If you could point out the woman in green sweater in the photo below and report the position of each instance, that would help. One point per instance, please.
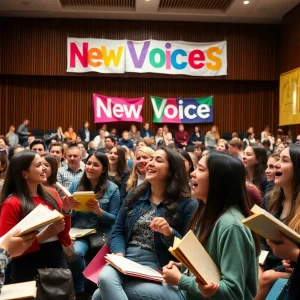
(219, 184)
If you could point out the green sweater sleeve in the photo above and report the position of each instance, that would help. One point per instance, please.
(233, 250)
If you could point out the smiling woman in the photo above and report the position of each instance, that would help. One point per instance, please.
(23, 190)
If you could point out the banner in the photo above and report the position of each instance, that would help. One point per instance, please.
(151, 56)
(182, 110)
(289, 103)
(115, 109)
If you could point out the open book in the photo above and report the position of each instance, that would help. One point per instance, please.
(24, 290)
(131, 268)
(82, 198)
(76, 233)
(267, 226)
(192, 254)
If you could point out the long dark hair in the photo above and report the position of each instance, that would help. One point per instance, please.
(185, 155)
(260, 168)
(177, 187)
(121, 164)
(51, 160)
(227, 188)
(100, 188)
(277, 195)
(15, 184)
(4, 163)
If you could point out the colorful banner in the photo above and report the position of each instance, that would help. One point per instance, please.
(289, 103)
(182, 110)
(151, 56)
(115, 109)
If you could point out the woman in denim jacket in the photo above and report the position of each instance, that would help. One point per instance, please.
(152, 215)
(103, 210)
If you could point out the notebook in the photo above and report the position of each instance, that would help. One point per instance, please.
(267, 226)
(24, 290)
(131, 268)
(192, 254)
(76, 233)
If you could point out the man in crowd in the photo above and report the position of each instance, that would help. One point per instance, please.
(38, 146)
(84, 133)
(182, 137)
(146, 131)
(23, 133)
(235, 148)
(57, 150)
(73, 170)
(125, 141)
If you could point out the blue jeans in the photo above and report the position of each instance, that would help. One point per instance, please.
(81, 247)
(114, 285)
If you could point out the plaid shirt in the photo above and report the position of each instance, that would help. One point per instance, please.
(4, 261)
(65, 175)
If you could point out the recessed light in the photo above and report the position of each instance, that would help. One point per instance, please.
(246, 2)
(147, 0)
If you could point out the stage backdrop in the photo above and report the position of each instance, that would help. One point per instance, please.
(289, 103)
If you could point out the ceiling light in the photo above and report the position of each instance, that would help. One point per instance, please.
(147, 0)
(246, 2)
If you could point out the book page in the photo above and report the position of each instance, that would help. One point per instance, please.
(77, 232)
(196, 255)
(262, 257)
(65, 191)
(37, 219)
(128, 266)
(19, 291)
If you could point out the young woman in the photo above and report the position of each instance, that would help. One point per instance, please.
(198, 151)
(219, 185)
(152, 215)
(159, 135)
(134, 134)
(23, 190)
(118, 171)
(138, 173)
(222, 146)
(280, 147)
(188, 163)
(249, 140)
(255, 162)
(211, 138)
(11, 136)
(103, 210)
(284, 204)
(196, 137)
(167, 134)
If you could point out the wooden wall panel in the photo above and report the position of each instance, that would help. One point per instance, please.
(52, 101)
(39, 46)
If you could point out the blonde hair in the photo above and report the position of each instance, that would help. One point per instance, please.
(222, 141)
(133, 176)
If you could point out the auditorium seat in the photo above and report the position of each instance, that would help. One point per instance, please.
(189, 148)
(226, 136)
(38, 133)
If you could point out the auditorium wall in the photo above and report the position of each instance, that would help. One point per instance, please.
(34, 83)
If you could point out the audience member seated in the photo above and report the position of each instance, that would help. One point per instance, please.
(222, 146)
(73, 170)
(234, 135)
(232, 247)
(104, 127)
(84, 132)
(134, 134)
(11, 136)
(249, 140)
(141, 143)
(279, 148)
(70, 136)
(83, 149)
(235, 148)
(23, 133)
(99, 140)
(13, 150)
(3, 167)
(255, 162)
(138, 172)
(283, 204)
(182, 137)
(211, 138)
(159, 135)
(57, 150)
(167, 134)
(198, 150)
(60, 134)
(265, 133)
(92, 147)
(3, 143)
(125, 141)
(114, 134)
(146, 132)
(38, 146)
(267, 145)
(153, 214)
(101, 217)
(23, 190)
(196, 136)
(188, 163)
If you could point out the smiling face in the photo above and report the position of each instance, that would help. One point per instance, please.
(113, 156)
(249, 158)
(271, 170)
(93, 168)
(158, 167)
(200, 180)
(36, 173)
(284, 169)
(141, 161)
(47, 167)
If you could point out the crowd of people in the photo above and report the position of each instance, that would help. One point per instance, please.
(149, 189)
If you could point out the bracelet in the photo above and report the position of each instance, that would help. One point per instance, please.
(66, 214)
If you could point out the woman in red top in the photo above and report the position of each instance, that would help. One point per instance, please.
(22, 192)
